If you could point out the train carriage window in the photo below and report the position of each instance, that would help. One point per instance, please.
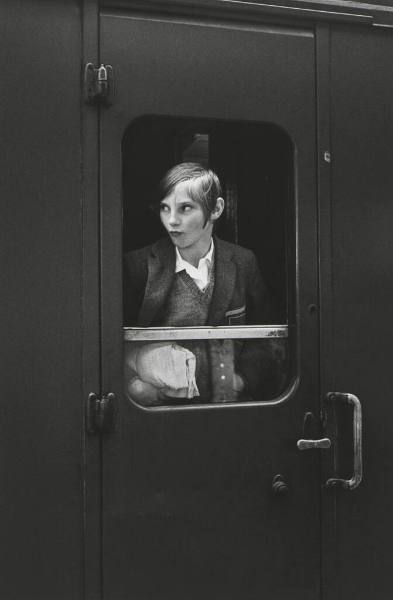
(208, 240)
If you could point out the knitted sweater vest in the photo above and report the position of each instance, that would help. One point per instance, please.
(188, 306)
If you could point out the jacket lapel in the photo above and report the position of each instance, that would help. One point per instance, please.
(161, 269)
(225, 277)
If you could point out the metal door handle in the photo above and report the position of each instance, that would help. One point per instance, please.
(351, 484)
(310, 444)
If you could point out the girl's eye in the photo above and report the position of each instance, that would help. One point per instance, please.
(164, 208)
(186, 207)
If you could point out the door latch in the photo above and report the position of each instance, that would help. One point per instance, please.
(100, 413)
(308, 441)
(310, 444)
(98, 84)
(307, 444)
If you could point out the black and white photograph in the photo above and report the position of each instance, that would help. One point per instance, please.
(196, 260)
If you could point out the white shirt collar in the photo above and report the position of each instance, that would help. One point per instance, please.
(200, 274)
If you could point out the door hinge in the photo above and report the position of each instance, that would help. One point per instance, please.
(98, 84)
(100, 413)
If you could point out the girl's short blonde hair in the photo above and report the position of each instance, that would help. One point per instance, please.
(203, 185)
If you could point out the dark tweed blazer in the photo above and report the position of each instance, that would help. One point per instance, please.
(239, 296)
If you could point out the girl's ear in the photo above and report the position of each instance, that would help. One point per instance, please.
(217, 211)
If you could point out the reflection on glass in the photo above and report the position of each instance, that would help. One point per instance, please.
(205, 371)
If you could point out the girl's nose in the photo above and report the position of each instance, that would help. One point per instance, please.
(173, 218)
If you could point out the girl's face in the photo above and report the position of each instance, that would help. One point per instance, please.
(184, 220)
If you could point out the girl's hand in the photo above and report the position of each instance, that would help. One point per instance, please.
(143, 393)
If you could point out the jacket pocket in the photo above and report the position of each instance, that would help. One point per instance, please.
(236, 316)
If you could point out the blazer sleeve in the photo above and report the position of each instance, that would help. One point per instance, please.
(134, 283)
(257, 298)
(255, 362)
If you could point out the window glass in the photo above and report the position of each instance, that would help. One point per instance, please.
(208, 250)
(203, 371)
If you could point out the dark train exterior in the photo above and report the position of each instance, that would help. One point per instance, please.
(103, 499)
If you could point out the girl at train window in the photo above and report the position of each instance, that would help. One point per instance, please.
(193, 278)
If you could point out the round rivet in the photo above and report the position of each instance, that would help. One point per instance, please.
(312, 308)
(222, 365)
(222, 376)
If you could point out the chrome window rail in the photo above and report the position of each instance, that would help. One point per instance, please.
(234, 332)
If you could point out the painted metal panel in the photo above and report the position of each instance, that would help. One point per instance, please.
(41, 379)
(362, 216)
(188, 506)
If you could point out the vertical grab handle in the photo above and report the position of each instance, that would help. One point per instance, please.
(351, 484)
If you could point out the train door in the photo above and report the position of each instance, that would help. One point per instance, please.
(214, 500)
